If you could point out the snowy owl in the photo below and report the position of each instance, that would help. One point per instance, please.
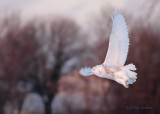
(113, 67)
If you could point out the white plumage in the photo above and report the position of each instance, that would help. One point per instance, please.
(113, 67)
(118, 42)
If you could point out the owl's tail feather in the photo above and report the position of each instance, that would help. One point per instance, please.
(129, 71)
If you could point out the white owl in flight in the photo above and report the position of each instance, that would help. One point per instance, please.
(113, 66)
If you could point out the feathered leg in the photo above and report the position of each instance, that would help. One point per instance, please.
(129, 69)
(127, 75)
(121, 78)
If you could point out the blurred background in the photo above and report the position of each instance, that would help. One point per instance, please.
(44, 43)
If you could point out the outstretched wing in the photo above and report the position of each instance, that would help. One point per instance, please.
(118, 42)
(86, 71)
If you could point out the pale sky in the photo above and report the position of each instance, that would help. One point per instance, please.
(79, 9)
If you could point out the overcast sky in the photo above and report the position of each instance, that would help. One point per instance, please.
(76, 8)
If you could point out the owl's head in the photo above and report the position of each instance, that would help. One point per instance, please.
(98, 70)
